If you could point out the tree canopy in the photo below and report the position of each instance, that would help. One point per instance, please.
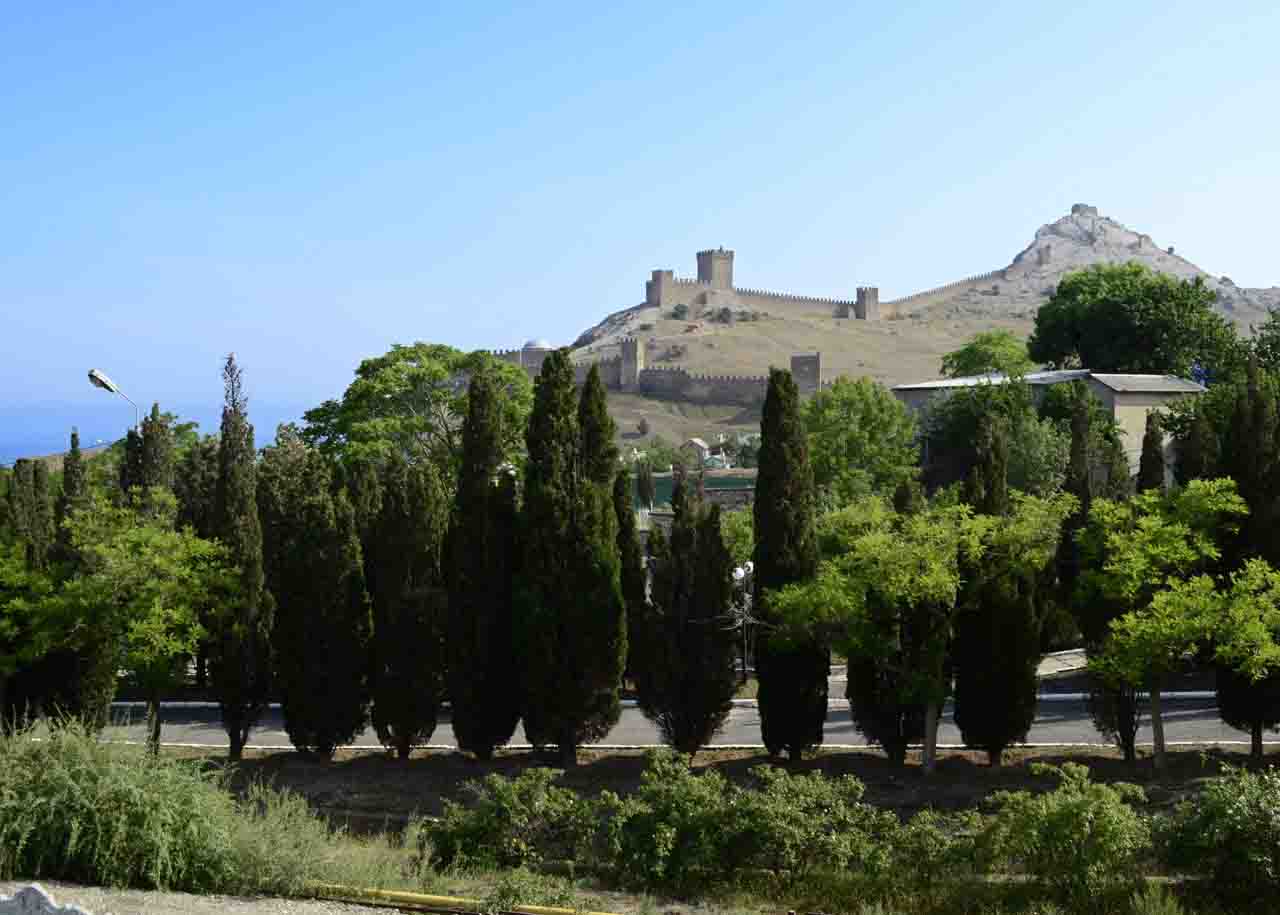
(1000, 351)
(1128, 318)
(861, 439)
(413, 398)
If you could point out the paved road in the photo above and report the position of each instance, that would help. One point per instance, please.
(1059, 720)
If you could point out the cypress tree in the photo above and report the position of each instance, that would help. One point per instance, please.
(74, 492)
(1151, 464)
(599, 454)
(684, 675)
(130, 470)
(997, 641)
(1248, 705)
(632, 572)
(240, 640)
(987, 488)
(1197, 456)
(195, 485)
(792, 678)
(406, 582)
(570, 612)
(481, 653)
(645, 488)
(157, 450)
(313, 568)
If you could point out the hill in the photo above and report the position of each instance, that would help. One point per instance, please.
(914, 334)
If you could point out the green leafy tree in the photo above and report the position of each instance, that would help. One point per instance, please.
(313, 567)
(1003, 606)
(792, 675)
(861, 439)
(987, 488)
(413, 399)
(1197, 450)
(482, 668)
(142, 584)
(1128, 318)
(406, 550)
(240, 640)
(598, 430)
(886, 593)
(736, 527)
(990, 351)
(1151, 465)
(1137, 554)
(684, 671)
(195, 484)
(130, 473)
(573, 638)
(25, 633)
(31, 511)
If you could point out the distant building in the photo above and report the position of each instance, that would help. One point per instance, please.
(1129, 398)
(697, 449)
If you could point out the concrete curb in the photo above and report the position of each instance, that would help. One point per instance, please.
(421, 901)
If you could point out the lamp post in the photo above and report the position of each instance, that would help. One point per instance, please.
(99, 380)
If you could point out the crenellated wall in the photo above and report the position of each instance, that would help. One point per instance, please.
(899, 307)
(714, 286)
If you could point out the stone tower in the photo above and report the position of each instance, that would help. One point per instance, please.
(806, 369)
(867, 308)
(715, 268)
(632, 363)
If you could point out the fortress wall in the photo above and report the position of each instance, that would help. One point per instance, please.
(679, 384)
(900, 306)
(507, 355)
(610, 372)
(764, 300)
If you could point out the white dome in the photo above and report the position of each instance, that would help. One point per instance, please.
(538, 344)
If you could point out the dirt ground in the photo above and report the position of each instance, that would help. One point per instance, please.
(372, 792)
(100, 901)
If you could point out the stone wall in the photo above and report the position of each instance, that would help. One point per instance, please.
(899, 307)
(679, 384)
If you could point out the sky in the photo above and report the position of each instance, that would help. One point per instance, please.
(306, 186)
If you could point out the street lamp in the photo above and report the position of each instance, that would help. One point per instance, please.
(99, 380)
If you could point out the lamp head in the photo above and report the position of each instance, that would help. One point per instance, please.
(98, 379)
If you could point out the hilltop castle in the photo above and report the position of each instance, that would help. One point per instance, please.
(714, 288)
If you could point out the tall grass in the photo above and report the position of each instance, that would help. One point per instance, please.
(72, 808)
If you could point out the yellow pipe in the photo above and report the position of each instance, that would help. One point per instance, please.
(399, 897)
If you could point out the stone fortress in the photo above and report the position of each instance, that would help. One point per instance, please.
(628, 373)
(714, 289)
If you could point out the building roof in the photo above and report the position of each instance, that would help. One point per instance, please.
(971, 381)
(1148, 384)
(697, 443)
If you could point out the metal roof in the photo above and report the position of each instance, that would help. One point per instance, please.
(1148, 384)
(971, 381)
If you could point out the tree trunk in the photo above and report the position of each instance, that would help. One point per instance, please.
(1255, 741)
(5, 721)
(153, 722)
(403, 747)
(238, 738)
(930, 754)
(1157, 728)
(995, 756)
(568, 751)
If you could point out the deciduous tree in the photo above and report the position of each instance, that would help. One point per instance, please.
(861, 440)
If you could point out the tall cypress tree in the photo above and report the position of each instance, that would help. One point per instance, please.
(406, 582)
(130, 470)
(632, 572)
(240, 642)
(645, 489)
(1197, 455)
(793, 678)
(997, 641)
(481, 652)
(599, 453)
(75, 489)
(684, 671)
(313, 567)
(157, 450)
(572, 639)
(1151, 464)
(195, 485)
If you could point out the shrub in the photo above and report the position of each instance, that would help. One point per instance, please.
(1081, 839)
(933, 847)
(680, 312)
(798, 823)
(72, 808)
(1231, 832)
(511, 823)
(1155, 900)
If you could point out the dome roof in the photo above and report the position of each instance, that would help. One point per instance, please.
(538, 344)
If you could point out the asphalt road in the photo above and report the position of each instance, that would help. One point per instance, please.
(1059, 720)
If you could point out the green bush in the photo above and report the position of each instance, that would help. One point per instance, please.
(933, 847)
(1155, 900)
(798, 823)
(72, 808)
(511, 823)
(1081, 840)
(1230, 832)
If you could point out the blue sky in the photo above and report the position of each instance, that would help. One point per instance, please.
(306, 187)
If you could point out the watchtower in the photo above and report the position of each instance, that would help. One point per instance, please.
(632, 363)
(867, 307)
(715, 268)
(806, 369)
